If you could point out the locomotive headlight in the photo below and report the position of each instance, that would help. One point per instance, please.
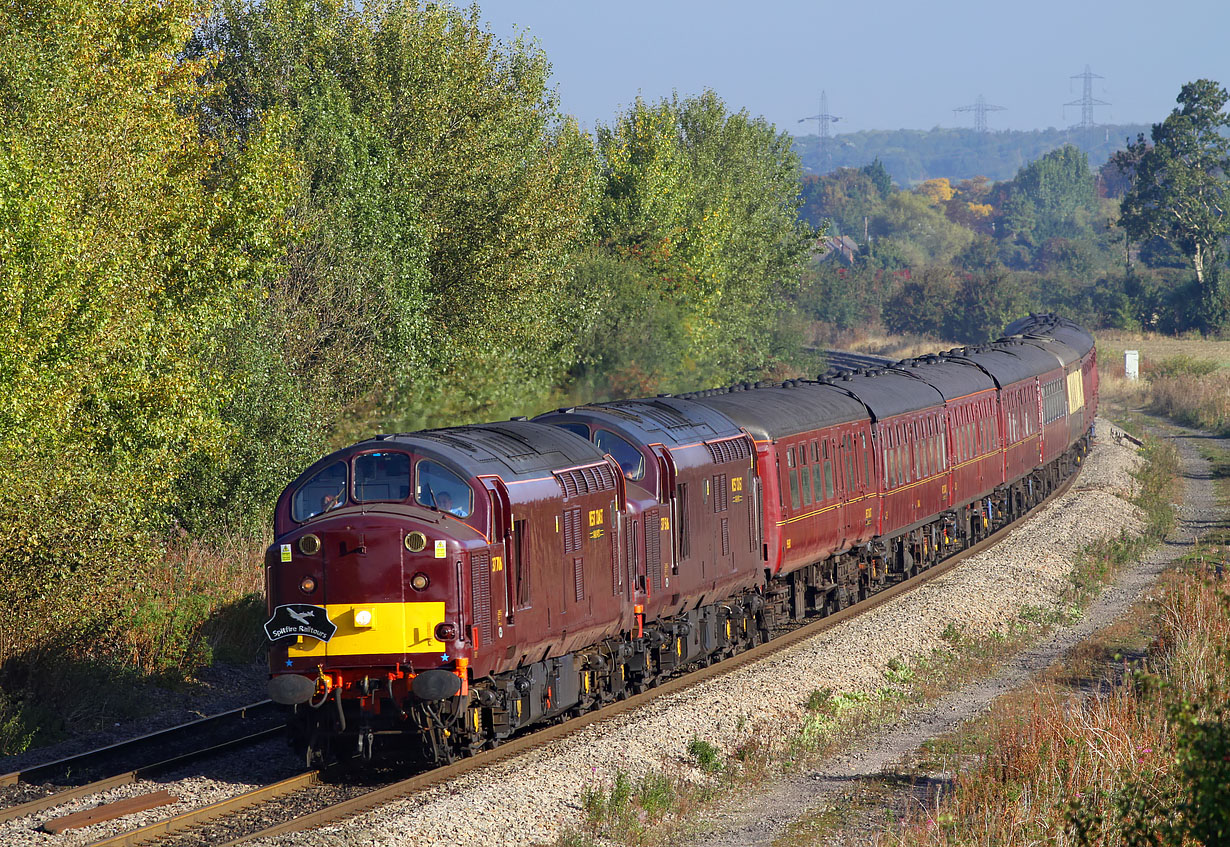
(364, 618)
(308, 585)
(309, 545)
(416, 542)
(419, 581)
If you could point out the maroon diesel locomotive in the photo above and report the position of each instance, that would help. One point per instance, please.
(432, 593)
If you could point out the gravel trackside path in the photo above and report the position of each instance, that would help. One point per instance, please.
(760, 821)
(532, 798)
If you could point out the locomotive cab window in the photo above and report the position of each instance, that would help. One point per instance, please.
(631, 461)
(321, 493)
(437, 487)
(576, 429)
(381, 476)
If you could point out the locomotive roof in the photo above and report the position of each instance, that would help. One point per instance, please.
(672, 421)
(512, 449)
(770, 412)
(953, 378)
(1007, 361)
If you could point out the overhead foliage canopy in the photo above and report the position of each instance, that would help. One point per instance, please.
(126, 243)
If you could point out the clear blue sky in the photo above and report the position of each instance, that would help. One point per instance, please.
(885, 64)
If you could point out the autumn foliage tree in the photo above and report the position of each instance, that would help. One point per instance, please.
(127, 241)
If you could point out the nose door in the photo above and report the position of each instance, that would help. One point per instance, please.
(363, 593)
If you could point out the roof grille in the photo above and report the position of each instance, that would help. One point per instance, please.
(586, 480)
(729, 450)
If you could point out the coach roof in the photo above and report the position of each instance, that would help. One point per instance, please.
(770, 412)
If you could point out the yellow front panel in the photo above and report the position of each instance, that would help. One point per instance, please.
(396, 628)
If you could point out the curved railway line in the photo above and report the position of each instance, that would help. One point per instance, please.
(334, 802)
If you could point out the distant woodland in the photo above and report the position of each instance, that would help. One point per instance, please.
(912, 156)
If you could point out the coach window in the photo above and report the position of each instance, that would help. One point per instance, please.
(381, 476)
(886, 458)
(828, 473)
(439, 488)
(631, 461)
(866, 461)
(805, 477)
(847, 451)
(323, 492)
(817, 480)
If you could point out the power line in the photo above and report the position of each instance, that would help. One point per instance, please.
(980, 107)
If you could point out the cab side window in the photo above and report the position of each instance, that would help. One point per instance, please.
(631, 461)
(437, 487)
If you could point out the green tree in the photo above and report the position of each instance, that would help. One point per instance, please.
(438, 168)
(441, 199)
(127, 245)
(1054, 196)
(1179, 189)
(706, 202)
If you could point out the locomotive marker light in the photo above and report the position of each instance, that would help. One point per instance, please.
(419, 581)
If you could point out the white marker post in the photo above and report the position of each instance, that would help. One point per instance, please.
(1131, 364)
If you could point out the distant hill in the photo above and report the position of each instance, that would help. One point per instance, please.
(912, 155)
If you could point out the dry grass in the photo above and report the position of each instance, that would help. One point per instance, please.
(1053, 758)
(883, 344)
(1155, 347)
(1187, 380)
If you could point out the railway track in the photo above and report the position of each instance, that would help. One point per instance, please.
(256, 814)
(73, 777)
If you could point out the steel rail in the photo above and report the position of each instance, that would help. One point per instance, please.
(97, 787)
(82, 761)
(195, 817)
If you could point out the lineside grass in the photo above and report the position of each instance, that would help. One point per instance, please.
(200, 604)
(616, 814)
(1143, 758)
(1190, 388)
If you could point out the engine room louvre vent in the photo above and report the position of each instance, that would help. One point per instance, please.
(480, 587)
(578, 578)
(725, 536)
(653, 547)
(587, 480)
(572, 531)
(730, 450)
